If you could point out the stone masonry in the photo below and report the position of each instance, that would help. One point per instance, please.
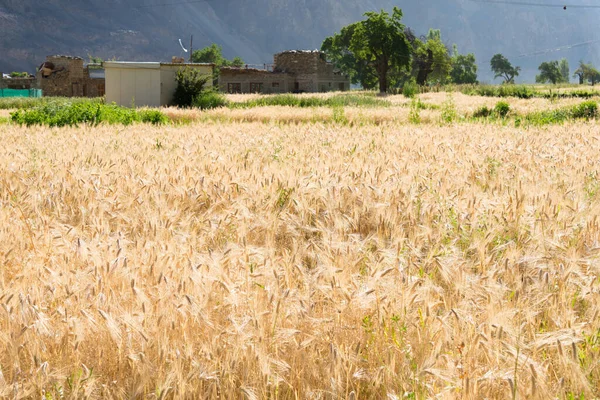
(293, 71)
(66, 76)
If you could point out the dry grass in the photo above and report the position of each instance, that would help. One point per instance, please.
(251, 260)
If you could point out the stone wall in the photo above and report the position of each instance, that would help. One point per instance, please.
(312, 71)
(294, 71)
(18, 83)
(248, 80)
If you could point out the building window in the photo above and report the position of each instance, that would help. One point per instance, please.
(276, 85)
(234, 88)
(256, 87)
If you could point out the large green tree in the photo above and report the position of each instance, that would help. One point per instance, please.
(504, 69)
(378, 42)
(431, 61)
(464, 68)
(337, 48)
(549, 72)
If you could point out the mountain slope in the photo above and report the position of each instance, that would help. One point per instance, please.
(255, 29)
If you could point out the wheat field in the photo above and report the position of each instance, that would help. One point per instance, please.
(259, 260)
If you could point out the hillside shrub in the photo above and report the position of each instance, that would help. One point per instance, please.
(190, 85)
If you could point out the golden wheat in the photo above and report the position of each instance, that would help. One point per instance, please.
(260, 260)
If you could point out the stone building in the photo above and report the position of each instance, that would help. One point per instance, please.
(66, 76)
(20, 83)
(293, 71)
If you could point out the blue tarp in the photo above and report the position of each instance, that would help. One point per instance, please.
(20, 93)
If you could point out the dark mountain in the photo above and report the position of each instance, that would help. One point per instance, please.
(145, 30)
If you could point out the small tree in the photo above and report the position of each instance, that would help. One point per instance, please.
(190, 85)
(549, 72)
(213, 54)
(587, 72)
(504, 69)
(464, 68)
(580, 73)
(563, 65)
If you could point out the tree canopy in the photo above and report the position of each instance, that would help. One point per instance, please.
(213, 54)
(563, 65)
(587, 72)
(337, 48)
(504, 69)
(377, 42)
(549, 72)
(464, 68)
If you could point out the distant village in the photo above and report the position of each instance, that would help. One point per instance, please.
(153, 83)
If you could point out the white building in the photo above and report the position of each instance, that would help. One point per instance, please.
(149, 84)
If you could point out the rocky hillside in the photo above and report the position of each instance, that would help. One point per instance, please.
(255, 29)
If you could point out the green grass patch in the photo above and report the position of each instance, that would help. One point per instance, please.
(290, 100)
(65, 113)
(526, 92)
(586, 110)
(25, 103)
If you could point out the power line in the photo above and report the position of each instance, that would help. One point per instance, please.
(534, 4)
(561, 48)
(178, 3)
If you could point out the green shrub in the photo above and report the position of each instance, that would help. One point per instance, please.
(210, 99)
(502, 109)
(190, 85)
(449, 113)
(61, 113)
(154, 117)
(414, 116)
(18, 74)
(482, 112)
(410, 89)
(290, 100)
(339, 115)
(587, 110)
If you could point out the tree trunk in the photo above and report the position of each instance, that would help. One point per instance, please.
(383, 81)
(382, 72)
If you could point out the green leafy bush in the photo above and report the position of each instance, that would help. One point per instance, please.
(209, 99)
(154, 117)
(449, 113)
(587, 110)
(410, 89)
(190, 85)
(60, 113)
(482, 112)
(502, 109)
(414, 116)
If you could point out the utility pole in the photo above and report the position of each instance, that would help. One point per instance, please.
(191, 46)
